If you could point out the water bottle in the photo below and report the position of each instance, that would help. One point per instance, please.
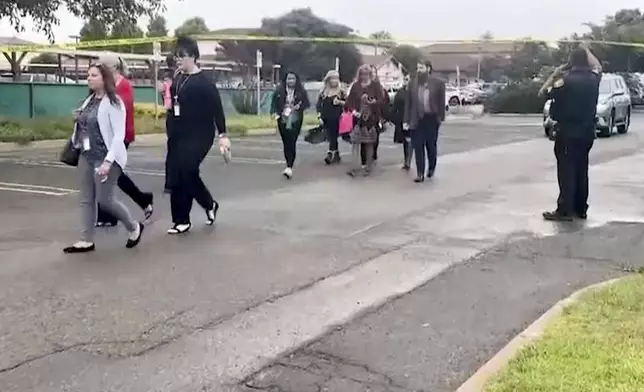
(101, 178)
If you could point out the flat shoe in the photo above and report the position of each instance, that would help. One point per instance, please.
(77, 249)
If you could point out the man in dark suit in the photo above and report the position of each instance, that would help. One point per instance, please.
(423, 115)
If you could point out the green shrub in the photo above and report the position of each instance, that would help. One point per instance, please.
(522, 98)
(245, 101)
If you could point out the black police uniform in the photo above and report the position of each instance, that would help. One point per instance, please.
(574, 108)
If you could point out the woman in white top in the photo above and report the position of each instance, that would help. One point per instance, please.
(99, 136)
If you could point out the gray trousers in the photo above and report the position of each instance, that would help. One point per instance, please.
(93, 192)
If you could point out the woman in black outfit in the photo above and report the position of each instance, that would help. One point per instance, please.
(290, 100)
(330, 106)
(401, 136)
(165, 89)
(196, 110)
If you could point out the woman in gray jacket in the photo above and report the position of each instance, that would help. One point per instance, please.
(99, 135)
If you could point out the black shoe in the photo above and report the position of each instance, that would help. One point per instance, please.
(105, 224)
(132, 242)
(430, 174)
(556, 216)
(211, 215)
(329, 158)
(419, 179)
(336, 157)
(179, 229)
(406, 167)
(582, 215)
(352, 172)
(149, 210)
(77, 249)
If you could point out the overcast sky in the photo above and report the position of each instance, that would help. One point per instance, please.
(548, 19)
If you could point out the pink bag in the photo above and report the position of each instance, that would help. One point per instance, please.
(346, 123)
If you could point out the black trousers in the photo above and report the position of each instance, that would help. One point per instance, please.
(189, 186)
(125, 183)
(289, 141)
(423, 140)
(572, 173)
(407, 151)
(363, 151)
(332, 127)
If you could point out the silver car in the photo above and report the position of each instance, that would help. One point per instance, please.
(613, 108)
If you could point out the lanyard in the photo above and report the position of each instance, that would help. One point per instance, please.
(180, 86)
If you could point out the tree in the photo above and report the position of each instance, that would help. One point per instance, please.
(408, 56)
(528, 59)
(128, 29)
(310, 60)
(192, 26)
(44, 58)
(382, 35)
(487, 36)
(157, 28)
(93, 30)
(106, 12)
(626, 25)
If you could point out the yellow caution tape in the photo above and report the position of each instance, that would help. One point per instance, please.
(85, 44)
(266, 38)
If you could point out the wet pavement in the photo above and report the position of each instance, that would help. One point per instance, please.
(287, 261)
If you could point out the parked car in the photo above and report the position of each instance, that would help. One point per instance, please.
(613, 108)
(637, 96)
(452, 97)
(472, 95)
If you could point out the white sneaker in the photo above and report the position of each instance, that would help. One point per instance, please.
(288, 173)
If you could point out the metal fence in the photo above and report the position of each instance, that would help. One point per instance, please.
(27, 100)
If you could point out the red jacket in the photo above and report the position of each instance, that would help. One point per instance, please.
(126, 92)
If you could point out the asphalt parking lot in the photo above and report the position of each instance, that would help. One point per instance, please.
(35, 187)
(286, 262)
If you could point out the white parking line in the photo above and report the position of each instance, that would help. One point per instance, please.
(35, 189)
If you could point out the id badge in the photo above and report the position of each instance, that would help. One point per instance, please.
(177, 110)
(287, 112)
(86, 144)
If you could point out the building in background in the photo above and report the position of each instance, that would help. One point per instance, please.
(468, 57)
(390, 72)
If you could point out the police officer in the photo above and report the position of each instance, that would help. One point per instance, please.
(574, 89)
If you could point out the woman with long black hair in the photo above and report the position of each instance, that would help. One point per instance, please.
(289, 102)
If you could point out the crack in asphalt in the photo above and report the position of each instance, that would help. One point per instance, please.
(59, 349)
(315, 368)
(189, 329)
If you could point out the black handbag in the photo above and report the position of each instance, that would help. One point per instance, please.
(70, 154)
(316, 135)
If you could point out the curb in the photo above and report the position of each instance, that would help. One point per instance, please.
(154, 139)
(491, 368)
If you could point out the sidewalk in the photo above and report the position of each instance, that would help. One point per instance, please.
(157, 139)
